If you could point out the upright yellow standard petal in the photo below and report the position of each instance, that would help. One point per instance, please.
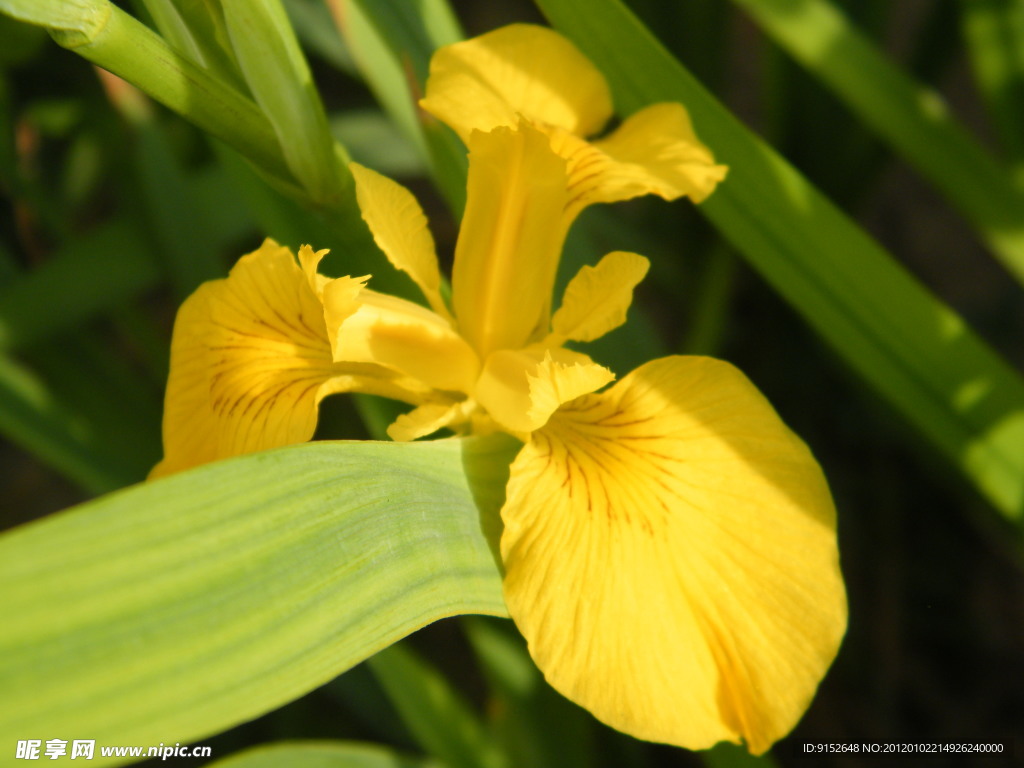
(671, 558)
(250, 362)
(400, 230)
(511, 239)
(597, 298)
(518, 70)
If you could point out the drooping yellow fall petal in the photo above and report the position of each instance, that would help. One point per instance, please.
(511, 239)
(522, 388)
(670, 554)
(250, 362)
(517, 70)
(400, 230)
(409, 339)
(597, 298)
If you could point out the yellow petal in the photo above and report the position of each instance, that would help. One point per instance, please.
(596, 299)
(189, 437)
(671, 559)
(400, 230)
(341, 298)
(309, 260)
(250, 362)
(521, 389)
(520, 69)
(425, 420)
(653, 152)
(510, 240)
(407, 338)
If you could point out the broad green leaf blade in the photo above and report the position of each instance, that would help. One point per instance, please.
(439, 718)
(176, 609)
(994, 30)
(907, 344)
(322, 754)
(278, 76)
(912, 119)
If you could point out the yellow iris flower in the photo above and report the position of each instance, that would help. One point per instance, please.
(669, 545)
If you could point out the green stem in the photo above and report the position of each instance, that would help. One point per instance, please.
(131, 50)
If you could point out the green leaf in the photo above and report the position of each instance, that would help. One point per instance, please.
(178, 608)
(907, 344)
(134, 52)
(321, 754)
(81, 16)
(196, 29)
(441, 721)
(392, 44)
(994, 30)
(911, 118)
(319, 34)
(278, 76)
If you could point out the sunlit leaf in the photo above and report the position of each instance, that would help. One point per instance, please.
(179, 608)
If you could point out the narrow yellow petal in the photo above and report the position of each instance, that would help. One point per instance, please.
(407, 338)
(518, 70)
(309, 260)
(510, 240)
(596, 299)
(400, 230)
(670, 554)
(425, 420)
(250, 362)
(521, 389)
(341, 298)
(655, 151)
